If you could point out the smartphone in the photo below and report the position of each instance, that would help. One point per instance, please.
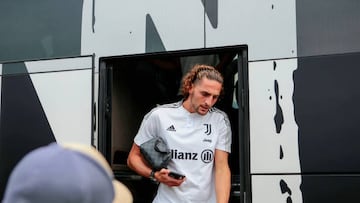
(176, 175)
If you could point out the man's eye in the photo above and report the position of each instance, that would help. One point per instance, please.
(205, 94)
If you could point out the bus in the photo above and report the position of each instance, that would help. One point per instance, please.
(88, 71)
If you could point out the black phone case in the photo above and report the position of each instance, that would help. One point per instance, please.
(176, 175)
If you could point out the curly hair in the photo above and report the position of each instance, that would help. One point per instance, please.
(197, 73)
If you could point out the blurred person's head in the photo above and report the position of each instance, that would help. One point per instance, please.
(70, 173)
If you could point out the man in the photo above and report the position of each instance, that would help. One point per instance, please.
(66, 173)
(199, 136)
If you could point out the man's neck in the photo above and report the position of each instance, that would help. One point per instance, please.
(186, 104)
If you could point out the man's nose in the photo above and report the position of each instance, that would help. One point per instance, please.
(209, 100)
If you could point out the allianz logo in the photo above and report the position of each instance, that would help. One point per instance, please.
(207, 155)
(175, 154)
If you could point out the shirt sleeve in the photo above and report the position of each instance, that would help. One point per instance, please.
(148, 128)
(225, 134)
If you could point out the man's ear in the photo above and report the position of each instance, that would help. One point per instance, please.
(191, 88)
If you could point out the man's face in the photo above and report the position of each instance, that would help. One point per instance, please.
(203, 95)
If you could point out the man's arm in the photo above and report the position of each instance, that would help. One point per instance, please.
(137, 163)
(222, 176)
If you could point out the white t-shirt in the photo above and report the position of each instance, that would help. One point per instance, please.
(192, 139)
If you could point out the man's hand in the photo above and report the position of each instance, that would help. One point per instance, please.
(163, 177)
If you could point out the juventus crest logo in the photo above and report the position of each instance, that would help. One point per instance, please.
(208, 129)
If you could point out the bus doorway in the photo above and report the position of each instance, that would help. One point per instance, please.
(131, 85)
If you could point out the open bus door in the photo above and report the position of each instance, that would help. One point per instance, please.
(43, 101)
(131, 85)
